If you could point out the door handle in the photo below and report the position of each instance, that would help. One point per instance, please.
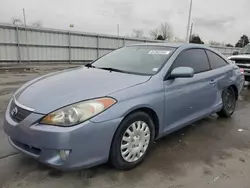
(212, 82)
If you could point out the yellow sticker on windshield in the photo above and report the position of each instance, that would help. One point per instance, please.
(159, 52)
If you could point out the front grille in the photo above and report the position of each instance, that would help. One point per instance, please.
(17, 113)
(244, 64)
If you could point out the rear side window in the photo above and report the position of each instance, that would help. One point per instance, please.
(215, 60)
(194, 58)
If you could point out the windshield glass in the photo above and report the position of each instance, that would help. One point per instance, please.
(245, 50)
(136, 59)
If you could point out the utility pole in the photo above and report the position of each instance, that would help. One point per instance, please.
(191, 31)
(118, 30)
(25, 27)
(189, 19)
(17, 39)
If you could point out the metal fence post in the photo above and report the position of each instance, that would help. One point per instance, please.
(97, 46)
(69, 48)
(27, 44)
(18, 46)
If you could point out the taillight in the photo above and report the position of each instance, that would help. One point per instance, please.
(242, 70)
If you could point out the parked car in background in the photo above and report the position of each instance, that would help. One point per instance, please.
(242, 60)
(114, 108)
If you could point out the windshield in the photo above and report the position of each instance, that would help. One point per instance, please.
(245, 50)
(136, 59)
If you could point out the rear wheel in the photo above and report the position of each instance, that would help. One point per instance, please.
(229, 103)
(132, 141)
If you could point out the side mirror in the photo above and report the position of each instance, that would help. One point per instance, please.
(236, 53)
(182, 72)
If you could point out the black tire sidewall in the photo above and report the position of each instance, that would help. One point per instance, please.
(115, 154)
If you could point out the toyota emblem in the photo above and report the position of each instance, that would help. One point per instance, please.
(14, 111)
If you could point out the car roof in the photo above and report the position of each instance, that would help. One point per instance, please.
(173, 45)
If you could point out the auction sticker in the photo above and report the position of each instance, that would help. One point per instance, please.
(155, 69)
(159, 52)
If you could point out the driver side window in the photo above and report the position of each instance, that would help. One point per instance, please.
(194, 58)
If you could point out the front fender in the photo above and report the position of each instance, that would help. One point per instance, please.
(135, 98)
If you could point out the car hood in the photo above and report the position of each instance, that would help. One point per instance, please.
(53, 91)
(240, 57)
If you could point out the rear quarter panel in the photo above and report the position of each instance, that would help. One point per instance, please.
(228, 76)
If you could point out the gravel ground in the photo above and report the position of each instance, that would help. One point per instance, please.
(213, 152)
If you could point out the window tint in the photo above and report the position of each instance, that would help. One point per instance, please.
(215, 60)
(194, 58)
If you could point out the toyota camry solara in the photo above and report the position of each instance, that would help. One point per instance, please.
(114, 108)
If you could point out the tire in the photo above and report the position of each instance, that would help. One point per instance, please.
(136, 144)
(229, 103)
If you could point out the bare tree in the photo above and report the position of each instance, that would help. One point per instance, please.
(214, 43)
(166, 31)
(37, 24)
(154, 33)
(178, 40)
(16, 21)
(137, 33)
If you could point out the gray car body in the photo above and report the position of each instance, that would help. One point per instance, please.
(172, 103)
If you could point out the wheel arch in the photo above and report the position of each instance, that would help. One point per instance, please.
(235, 89)
(152, 114)
(148, 110)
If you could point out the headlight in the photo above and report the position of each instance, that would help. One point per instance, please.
(78, 112)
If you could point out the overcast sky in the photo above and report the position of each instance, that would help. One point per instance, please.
(220, 20)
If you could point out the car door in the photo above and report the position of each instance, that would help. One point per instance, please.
(222, 74)
(187, 99)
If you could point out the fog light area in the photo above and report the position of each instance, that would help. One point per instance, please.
(64, 154)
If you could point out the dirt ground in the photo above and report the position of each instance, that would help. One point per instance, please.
(213, 152)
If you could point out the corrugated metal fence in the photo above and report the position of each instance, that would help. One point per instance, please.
(47, 45)
(227, 51)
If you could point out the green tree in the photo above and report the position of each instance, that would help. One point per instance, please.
(159, 37)
(244, 40)
(229, 45)
(195, 39)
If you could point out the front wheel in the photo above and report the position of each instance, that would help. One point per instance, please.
(229, 103)
(132, 141)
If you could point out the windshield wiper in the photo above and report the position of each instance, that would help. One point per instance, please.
(89, 65)
(110, 69)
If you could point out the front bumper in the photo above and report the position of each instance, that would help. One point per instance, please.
(89, 143)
